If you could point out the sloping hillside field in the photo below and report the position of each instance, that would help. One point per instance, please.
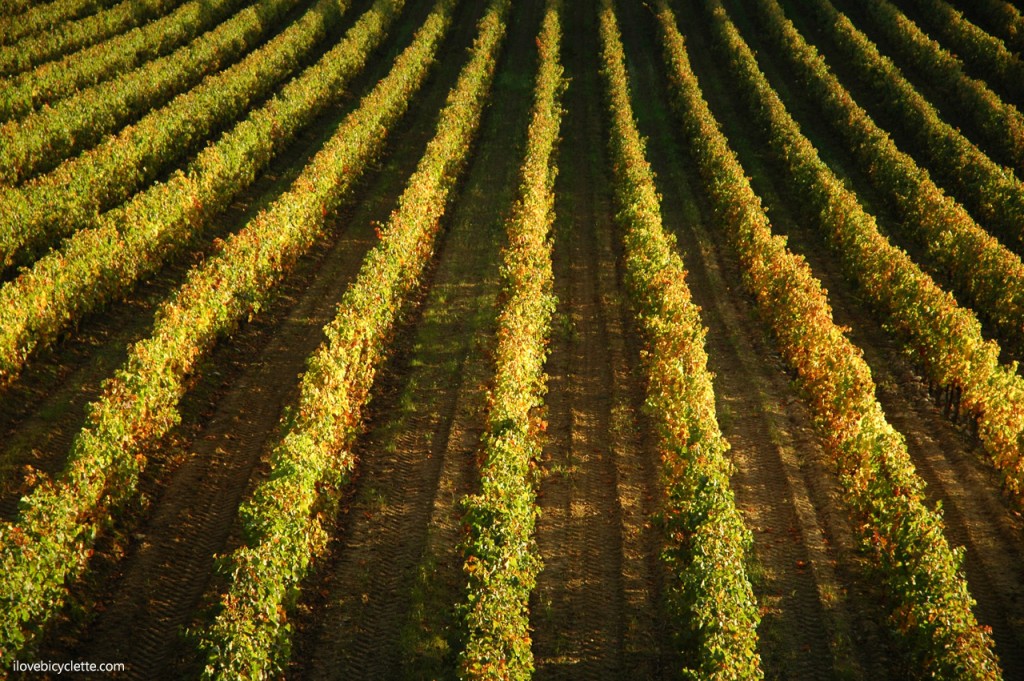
(510, 339)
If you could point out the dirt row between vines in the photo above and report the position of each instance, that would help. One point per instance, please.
(384, 605)
(819, 618)
(594, 611)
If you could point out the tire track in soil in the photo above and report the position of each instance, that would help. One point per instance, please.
(595, 610)
(229, 418)
(390, 588)
(951, 462)
(41, 413)
(43, 410)
(809, 579)
(172, 556)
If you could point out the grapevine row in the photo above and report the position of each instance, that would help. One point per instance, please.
(705, 539)
(987, 53)
(988, 275)
(284, 521)
(38, 213)
(946, 338)
(14, 7)
(501, 558)
(1002, 19)
(993, 193)
(50, 542)
(40, 141)
(133, 240)
(45, 16)
(931, 606)
(48, 83)
(998, 123)
(43, 47)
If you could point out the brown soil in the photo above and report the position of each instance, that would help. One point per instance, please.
(594, 611)
(391, 587)
(172, 555)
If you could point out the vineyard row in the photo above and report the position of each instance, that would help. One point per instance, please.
(930, 606)
(65, 39)
(49, 83)
(992, 192)
(45, 16)
(285, 519)
(50, 542)
(989, 276)
(135, 239)
(705, 540)
(998, 123)
(501, 554)
(36, 215)
(945, 337)
(985, 52)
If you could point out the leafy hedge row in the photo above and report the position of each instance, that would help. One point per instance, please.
(135, 239)
(990, 276)
(930, 604)
(945, 337)
(40, 141)
(988, 54)
(1001, 19)
(33, 216)
(43, 16)
(285, 520)
(992, 192)
(986, 273)
(14, 7)
(52, 81)
(1000, 125)
(50, 542)
(30, 51)
(501, 560)
(705, 539)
